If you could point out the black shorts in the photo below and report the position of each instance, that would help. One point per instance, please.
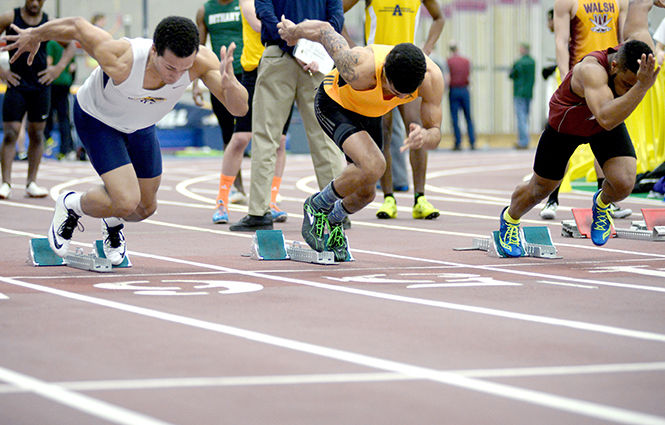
(340, 123)
(555, 149)
(36, 101)
(244, 124)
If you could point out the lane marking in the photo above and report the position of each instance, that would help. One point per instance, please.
(336, 378)
(575, 285)
(83, 403)
(573, 324)
(580, 407)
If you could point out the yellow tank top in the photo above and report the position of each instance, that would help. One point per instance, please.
(392, 21)
(595, 26)
(252, 48)
(369, 103)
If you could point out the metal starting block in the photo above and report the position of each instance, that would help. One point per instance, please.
(41, 255)
(90, 262)
(270, 245)
(652, 228)
(301, 252)
(536, 242)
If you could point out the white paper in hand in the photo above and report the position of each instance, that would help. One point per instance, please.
(310, 51)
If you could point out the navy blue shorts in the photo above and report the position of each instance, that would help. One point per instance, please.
(109, 148)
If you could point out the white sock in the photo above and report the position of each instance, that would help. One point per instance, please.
(112, 221)
(73, 202)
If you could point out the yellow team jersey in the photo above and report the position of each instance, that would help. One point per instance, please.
(595, 26)
(369, 103)
(252, 48)
(392, 21)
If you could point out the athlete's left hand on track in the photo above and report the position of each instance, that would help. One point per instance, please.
(415, 140)
(286, 30)
(23, 42)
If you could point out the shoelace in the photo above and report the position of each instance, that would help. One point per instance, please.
(114, 235)
(320, 221)
(336, 237)
(603, 221)
(512, 234)
(66, 229)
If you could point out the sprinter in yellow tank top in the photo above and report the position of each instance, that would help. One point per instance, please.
(581, 27)
(368, 82)
(391, 22)
(242, 133)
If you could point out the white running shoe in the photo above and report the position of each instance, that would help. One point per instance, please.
(62, 226)
(34, 191)
(549, 211)
(5, 191)
(236, 197)
(114, 244)
(618, 212)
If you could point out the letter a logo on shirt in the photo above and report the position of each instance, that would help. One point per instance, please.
(397, 11)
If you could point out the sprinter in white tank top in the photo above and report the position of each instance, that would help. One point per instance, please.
(137, 83)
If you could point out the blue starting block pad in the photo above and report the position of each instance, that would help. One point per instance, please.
(270, 245)
(42, 255)
(536, 242)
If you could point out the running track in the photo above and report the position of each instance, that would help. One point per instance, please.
(412, 332)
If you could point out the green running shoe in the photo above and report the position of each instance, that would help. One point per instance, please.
(314, 226)
(337, 242)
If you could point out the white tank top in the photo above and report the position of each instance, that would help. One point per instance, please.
(128, 107)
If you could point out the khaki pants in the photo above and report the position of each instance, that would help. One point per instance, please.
(281, 81)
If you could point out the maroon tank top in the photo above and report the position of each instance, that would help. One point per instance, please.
(569, 113)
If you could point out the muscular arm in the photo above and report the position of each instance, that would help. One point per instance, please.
(608, 110)
(431, 92)
(220, 80)
(200, 24)
(437, 26)
(623, 10)
(562, 16)
(349, 62)
(112, 55)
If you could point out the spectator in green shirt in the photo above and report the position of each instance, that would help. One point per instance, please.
(523, 75)
(60, 89)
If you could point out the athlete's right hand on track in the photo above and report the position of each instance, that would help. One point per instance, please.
(23, 42)
(415, 140)
(647, 72)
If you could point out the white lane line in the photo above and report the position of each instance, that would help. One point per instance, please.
(574, 285)
(573, 324)
(83, 403)
(336, 378)
(580, 407)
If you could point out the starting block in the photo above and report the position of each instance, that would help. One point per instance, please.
(651, 229)
(270, 245)
(42, 255)
(536, 242)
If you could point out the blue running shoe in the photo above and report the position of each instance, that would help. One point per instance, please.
(221, 215)
(509, 237)
(601, 225)
(278, 216)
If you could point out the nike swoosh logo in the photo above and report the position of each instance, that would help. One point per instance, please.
(55, 239)
(311, 218)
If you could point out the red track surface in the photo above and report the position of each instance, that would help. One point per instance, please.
(411, 332)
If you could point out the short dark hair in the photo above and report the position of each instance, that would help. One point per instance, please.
(550, 14)
(179, 35)
(630, 52)
(405, 67)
